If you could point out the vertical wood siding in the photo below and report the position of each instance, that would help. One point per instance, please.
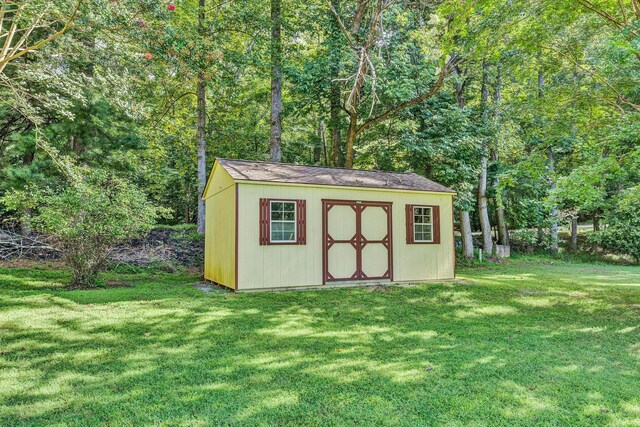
(277, 266)
(220, 235)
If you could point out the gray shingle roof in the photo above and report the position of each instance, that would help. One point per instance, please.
(246, 170)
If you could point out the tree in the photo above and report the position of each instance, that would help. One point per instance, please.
(363, 35)
(464, 218)
(88, 218)
(275, 136)
(202, 123)
(20, 22)
(622, 234)
(483, 208)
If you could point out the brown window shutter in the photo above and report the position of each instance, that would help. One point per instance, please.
(301, 207)
(409, 223)
(264, 221)
(435, 214)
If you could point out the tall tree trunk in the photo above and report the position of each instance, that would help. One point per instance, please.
(465, 232)
(275, 137)
(574, 233)
(551, 168)
(554, 208)
(351, 139)
(503, 232)
(202, 142)
(322, 130)
(483, 210)
(465, 219)
(540, 238)
(334, 45)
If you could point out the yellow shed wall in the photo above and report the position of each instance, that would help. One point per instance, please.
(220, 234)
(277, 266)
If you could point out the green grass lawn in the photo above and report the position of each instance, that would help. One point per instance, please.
(533, 341)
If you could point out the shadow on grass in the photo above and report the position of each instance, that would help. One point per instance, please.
(501, 352)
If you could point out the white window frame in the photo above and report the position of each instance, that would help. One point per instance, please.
(295, 221)
(430, 224)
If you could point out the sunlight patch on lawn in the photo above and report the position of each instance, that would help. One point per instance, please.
(591, 330)
(632, 407)
(490, 310)
(535, 301)
(454, 298)
(351, 370)
(527, 402)
(268, 401)
(277, 361)
(31, 283)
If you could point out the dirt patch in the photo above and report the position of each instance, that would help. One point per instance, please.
(379, 288)
(193, 270)
(209, 288)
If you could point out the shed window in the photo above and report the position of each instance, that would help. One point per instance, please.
(423, 224)
(282, 222)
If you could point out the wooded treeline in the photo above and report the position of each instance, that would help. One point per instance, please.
(527, 108)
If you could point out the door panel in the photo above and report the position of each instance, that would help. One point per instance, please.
(342, 259)
(374, 260)
(341, 222)
(374, 223)
(356, 240)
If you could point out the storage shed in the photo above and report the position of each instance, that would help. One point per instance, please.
(278, 225)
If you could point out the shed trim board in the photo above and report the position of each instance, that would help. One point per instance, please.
(383, 190)
(358, 241)
(236, 230)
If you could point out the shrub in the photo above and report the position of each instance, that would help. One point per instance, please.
(622, 234)
(89, 218)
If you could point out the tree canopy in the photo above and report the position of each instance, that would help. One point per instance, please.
(538, 99)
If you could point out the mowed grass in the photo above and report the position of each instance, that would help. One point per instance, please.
(533, 341)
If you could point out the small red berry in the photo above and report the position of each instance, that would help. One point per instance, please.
(148, 56)
(141, 23)
(171, 7)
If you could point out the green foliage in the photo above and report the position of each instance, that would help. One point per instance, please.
(88, 219)
(622, 234)
(116, 92)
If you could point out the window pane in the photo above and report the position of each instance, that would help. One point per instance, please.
(422, 232)
(288, 227)
(283, 221)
